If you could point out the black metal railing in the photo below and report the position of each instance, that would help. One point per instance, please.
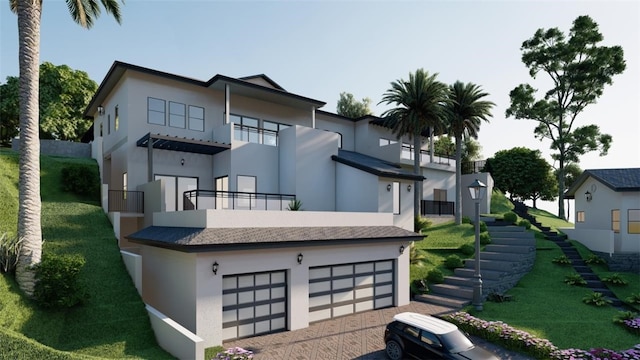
(234, 200)
(407, 153)
(430, 207)
(126, 201)
(255, 135)
(473, 167)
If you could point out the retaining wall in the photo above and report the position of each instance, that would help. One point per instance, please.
(59, 148)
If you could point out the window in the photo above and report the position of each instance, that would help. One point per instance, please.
(385, 142)
(339, 140)
(633, 221)
(247, 129)
(108, 124)
(196, 118)
(124, 186)
(155, 111)
(410, 330)
(117, 118)
(430, 339)
(270, 133)
(615, 220)
(439, 195)
(177, 115)
(222, 199)
(580, 216)
(396, 198)
(100, 129)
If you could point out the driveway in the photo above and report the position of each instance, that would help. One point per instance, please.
(358, 336)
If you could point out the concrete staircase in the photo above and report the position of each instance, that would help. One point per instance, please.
(510, 256)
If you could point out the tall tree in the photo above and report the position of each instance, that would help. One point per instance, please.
(579, 70)
(64, 93)
(350, 107)
(83, 12)
(465, 112)
(419, 107)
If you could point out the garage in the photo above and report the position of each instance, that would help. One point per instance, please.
(344, 289)
(254, 304)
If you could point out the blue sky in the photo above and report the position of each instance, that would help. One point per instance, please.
(319, 49)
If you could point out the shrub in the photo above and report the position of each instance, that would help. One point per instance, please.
(236, 353)
(595, 260)
(499, 298)
(562, 260)
(483, 226)
(295, 205)
(420, 223)
(453, 261)
(416, 256)
(466, 220)
(525, 224)
(634, 299)
(624, 315)
(596, 299)
(435, 276)
(575, 279)
(82, 180)
(615, 279)
(510, 217)
(418, 286)
(485, 238)
(467, 249)
(57, 281)
(9, 250)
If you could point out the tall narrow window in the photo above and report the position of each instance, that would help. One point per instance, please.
(177, 115)
(396, 198)
(196, 118)
(100, 129)
(615, 220)
(633, 221)
(124, 186)
(155, 111)
(117, 118)
(108, 124)
(246, 187)
(222, 197)
(580, 216)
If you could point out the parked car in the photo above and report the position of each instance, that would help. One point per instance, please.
(426, 337)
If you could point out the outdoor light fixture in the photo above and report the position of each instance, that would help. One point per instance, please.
(409, 188)
(477, 190)
(182, 162)
(588, 196)
(401, 249)
(214, 268)
(300, 258)
(100, 110)
(389, 187)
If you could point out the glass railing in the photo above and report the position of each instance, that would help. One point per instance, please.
(232, 200)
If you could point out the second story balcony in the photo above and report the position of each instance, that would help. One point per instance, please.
(426, 157)
(232, 200)
(126, 201)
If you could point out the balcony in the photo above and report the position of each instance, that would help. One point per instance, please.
(126, 201)
(232, 200)
(425, 156)
(255, 135)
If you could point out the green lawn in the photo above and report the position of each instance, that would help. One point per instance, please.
(113, 323)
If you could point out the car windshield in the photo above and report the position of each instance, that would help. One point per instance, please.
(456, 342)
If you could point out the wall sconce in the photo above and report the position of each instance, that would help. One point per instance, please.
(409, 188)
(182, 162)
(300, 256)
(100, 110)
(401, 249)
(389, 187)
(214, 268)
(588, 196)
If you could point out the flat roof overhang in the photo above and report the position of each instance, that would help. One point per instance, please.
(174, 143)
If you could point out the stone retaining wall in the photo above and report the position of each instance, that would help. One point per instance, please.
(622, 262)
(59, 148)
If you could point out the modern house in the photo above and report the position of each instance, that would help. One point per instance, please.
(607, 213)
(197, 180)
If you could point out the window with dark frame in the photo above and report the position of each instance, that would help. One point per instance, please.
(615, 220)
(633, 221)
(156, 111)
(116, 118)
(177, 114)
(196, 118)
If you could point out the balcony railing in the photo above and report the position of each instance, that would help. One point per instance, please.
(407, 153)
(473, 167)
(232, 200)
(255, 135)
(430, 207)
(126, 201)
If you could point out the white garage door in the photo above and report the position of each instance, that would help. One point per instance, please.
(253, 304)
(349, 288)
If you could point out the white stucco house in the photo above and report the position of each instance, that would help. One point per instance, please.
(197, 179)
(607, 215)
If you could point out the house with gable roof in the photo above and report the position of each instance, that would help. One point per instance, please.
(607, 215)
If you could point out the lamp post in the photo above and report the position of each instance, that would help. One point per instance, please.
(477, 190)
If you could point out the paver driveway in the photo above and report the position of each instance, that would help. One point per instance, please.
(358, 336)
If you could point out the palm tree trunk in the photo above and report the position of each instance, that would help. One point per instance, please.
(29, 227)
(458, 205)
(417, 194)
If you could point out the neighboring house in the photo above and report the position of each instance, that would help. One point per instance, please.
(607, 215)
(189, 167)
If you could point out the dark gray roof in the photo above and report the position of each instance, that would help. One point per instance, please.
(615, 179)
(189, 239)
(175, 143)
(374, 165)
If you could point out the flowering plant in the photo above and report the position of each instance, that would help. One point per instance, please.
(236, 353)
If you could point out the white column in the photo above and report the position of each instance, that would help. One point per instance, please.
(227, 107)
(313, 117)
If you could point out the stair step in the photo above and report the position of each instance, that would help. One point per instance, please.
(443, 300)
(529, 241)
(507, 229)
(510, 248)
(502, 265)
(486, 274)
(589, 276)
(594, 283)
(582, 269)
(501, 255)
(458, 280)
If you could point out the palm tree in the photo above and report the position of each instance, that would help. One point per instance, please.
(465, 112)
(83, 12)
(419, 108)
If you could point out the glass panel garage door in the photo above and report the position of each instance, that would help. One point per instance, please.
(349, 288)
(253, 304)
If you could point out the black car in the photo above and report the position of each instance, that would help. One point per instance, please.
(426, 337)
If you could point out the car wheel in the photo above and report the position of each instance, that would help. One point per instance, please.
(393, 349)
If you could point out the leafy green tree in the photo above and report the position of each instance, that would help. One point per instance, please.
(64, 93)
(523, 173)
(466, 110)
(471, 151)
(29, 228)
(419, 107)
(9, 110)
(444, 146)
(350, 107)
(579, 69)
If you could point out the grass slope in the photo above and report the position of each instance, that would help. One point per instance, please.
(113, 323)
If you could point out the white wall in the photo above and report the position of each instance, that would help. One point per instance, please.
(439, 179)
(593, 239)
(356, 189)
(468, 205)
